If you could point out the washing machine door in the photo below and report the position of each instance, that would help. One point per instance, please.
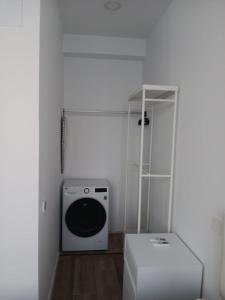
(85, 217)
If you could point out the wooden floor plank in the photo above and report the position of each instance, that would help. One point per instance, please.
(95, 275)
(116, 243)
(63, 281)
(89, 277)
(84, 271)
(118, 261)
(85, 297)
(107, 282)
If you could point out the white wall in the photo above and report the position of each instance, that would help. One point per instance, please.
(51, 101)
(19, 60)
(187, 48)
(95, 146)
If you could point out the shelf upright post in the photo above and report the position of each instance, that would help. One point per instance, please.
(150, 164)
(170, 210)
(127, 166)
(141, 161)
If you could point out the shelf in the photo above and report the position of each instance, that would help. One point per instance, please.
(136, 96)
(145, 171)
(160, 100)
(152, 98)
(155, 93)
(156, 176)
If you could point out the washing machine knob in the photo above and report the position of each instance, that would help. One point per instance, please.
(86, 190)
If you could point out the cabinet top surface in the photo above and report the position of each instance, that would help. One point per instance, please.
(145, 253)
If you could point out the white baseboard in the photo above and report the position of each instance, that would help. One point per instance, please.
(53, 278)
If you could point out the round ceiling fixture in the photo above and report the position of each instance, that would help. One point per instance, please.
(112, 5)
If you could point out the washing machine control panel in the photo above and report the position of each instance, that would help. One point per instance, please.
(71, 191)
(88, 190)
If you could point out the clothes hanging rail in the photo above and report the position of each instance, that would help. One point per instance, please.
(101, 112)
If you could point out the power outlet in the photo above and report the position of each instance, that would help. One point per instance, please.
(44, 206)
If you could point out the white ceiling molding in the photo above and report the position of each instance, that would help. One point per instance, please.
(104, 47)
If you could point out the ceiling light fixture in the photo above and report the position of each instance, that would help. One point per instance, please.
(112, 5)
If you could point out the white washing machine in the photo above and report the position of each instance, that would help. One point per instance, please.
(85, 208)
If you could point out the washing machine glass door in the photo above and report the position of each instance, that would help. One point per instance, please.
(85, 217)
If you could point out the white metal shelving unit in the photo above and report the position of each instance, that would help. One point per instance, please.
(148, 97)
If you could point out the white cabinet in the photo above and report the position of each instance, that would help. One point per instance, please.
(160, 272)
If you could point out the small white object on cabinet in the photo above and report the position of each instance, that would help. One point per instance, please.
(169, 272)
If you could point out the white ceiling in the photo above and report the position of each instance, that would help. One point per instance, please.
(135, 18)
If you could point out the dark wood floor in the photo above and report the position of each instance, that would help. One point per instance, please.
(91, 276)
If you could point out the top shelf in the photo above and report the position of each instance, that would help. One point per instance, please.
(155, 93)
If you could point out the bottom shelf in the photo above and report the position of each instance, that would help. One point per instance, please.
(146, 173)
(155, 176)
